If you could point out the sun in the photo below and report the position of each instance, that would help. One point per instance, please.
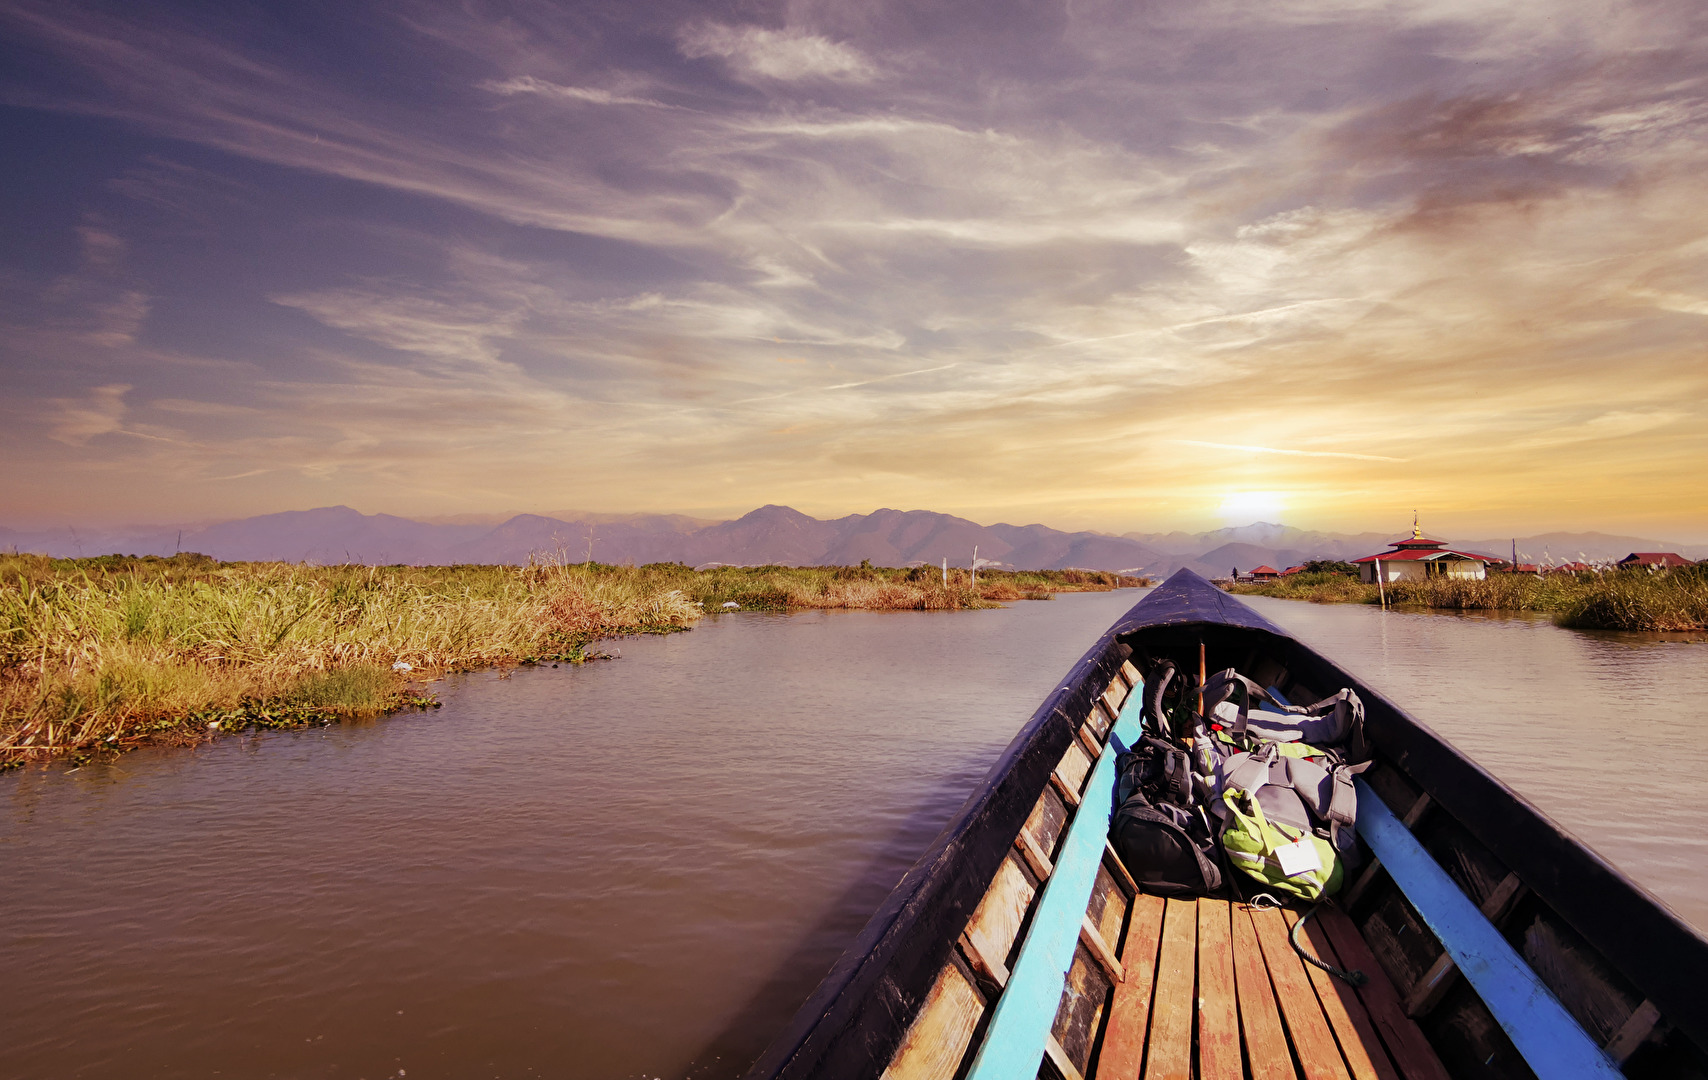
(1246, 507)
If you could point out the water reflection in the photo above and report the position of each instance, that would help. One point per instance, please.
(1601, 731)
(633, 868)
(640, 868)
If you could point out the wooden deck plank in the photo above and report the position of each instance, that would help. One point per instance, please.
(1265, 1042)
(1411, 1052)
(1123, 1051)
(1218, 1010)
(1359, 1043)
(1169, 1055)
(1313, 1041)
(939, 1036)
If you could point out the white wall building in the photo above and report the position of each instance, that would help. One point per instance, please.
(1418, 557)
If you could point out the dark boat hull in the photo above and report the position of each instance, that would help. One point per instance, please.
(1610, 944)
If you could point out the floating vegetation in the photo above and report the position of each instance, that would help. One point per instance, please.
(1605, 600)
(102, 655)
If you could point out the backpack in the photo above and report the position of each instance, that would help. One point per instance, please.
(1283, 857)
(1166, 842)
(1335, 721)
(1157, 768)
(1289, 795)
(1270, 792)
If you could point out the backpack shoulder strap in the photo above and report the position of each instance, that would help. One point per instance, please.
(1343, 811)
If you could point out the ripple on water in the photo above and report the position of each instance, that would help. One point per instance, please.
(645, 865)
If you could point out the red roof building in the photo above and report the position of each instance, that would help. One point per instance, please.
(1416, 557)
(1656, 560)
(1291, 570)
(1265, 573)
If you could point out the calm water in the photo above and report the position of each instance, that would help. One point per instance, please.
(640, 868)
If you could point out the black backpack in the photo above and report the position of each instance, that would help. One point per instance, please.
(1165, 842)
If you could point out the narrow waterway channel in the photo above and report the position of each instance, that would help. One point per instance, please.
(640, 868)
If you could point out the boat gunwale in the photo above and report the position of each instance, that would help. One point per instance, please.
(1630, 928)
(883, 976)
(881, 979)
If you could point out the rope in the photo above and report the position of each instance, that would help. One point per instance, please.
(1354, 978)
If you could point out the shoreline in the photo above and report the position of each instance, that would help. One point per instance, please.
(103, 655)
(1633, 600)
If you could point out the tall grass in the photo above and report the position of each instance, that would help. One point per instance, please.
(109, 652)
(100, 652)
(875, 588)
(1610, 600)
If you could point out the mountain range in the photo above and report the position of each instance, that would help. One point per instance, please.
(768, 535)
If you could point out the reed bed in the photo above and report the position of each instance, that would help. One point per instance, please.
(106, 653)
(109, 653)
(873, 588)
(1606, 600)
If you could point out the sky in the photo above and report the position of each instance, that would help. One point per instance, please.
(1120, 266)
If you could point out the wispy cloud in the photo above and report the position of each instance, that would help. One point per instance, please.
(528, 84)
(1248, 449)
(777, 54)
(847, 385)
(100, 412)
(1017, 260)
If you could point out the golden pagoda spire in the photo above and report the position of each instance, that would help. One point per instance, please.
(1416, 533)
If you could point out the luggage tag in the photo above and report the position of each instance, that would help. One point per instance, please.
(1299, 857)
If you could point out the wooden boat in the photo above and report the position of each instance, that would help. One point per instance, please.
(1494, 943)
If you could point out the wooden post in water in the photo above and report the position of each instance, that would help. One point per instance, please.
(1381, 590)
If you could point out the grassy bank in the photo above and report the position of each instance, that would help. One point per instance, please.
(1614, 600)
(108, 653)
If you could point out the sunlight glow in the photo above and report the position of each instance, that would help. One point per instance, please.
(1246, 507)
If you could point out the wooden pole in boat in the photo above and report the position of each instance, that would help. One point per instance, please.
(1200, 678)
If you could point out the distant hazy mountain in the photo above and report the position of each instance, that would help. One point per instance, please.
(1587, 546)
(770, 534)
(1217, 552)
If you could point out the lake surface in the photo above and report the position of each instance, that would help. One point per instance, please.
(640, 868)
